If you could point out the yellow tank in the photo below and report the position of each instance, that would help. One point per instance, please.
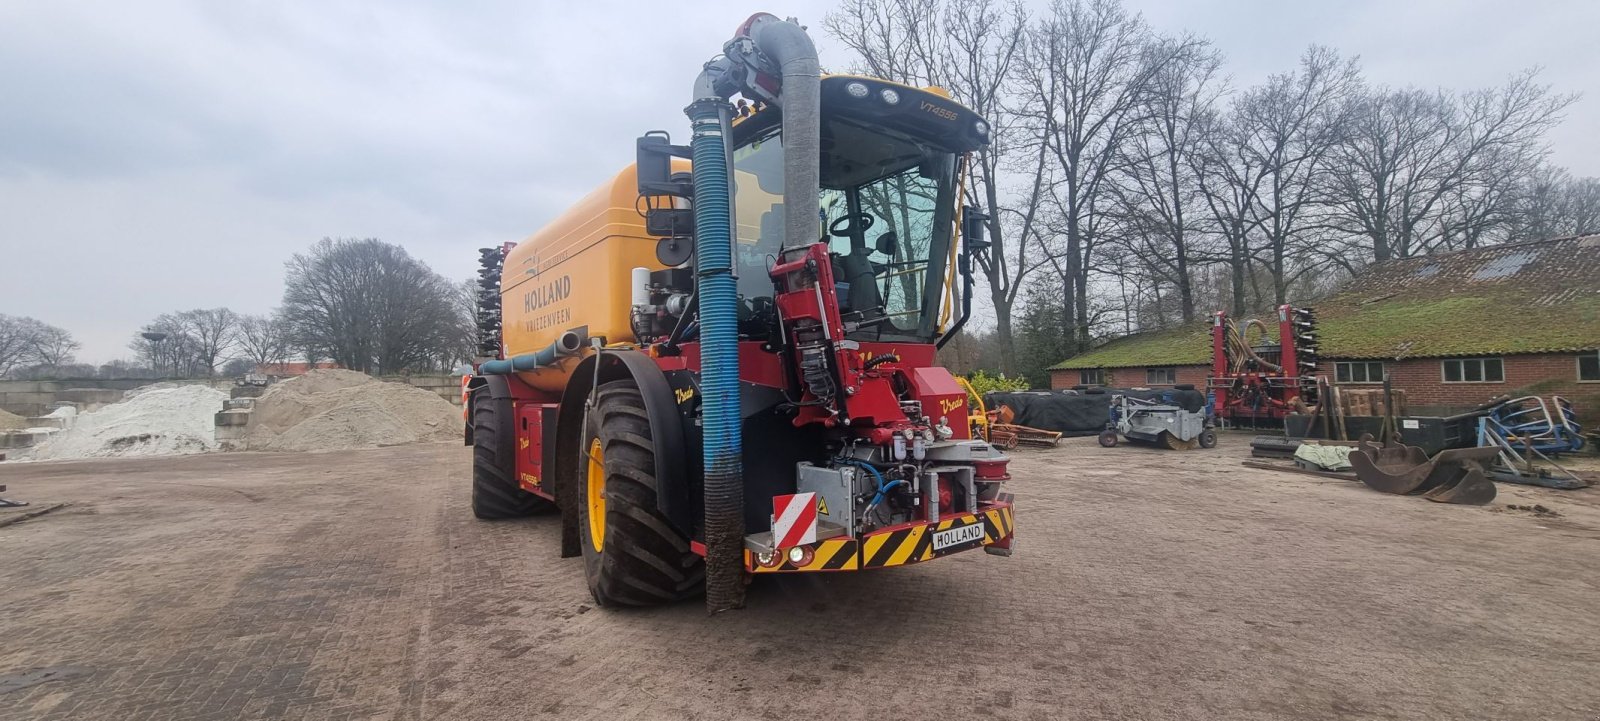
(575, 273)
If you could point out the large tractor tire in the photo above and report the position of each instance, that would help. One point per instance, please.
(495, 491)
(631, 555)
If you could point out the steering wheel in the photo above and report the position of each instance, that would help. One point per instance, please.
(850, 225)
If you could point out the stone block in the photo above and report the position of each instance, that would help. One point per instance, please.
(246, 391)
(232, 417)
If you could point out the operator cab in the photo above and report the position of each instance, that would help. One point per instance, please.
(890, 168)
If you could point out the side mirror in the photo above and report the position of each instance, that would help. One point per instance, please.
(974, 230)
(653, 162)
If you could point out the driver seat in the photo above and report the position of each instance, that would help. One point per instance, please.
(856, 269)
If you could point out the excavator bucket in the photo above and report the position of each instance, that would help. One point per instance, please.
(1391, 468)
(1452, 476)
(1458, 477)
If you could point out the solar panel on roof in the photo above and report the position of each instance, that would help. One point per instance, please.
(1503, 266)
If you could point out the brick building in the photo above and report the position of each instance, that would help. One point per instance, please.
(1451, 329)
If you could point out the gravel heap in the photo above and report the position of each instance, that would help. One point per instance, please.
(11, 421)
(162, 422)
(326, 410)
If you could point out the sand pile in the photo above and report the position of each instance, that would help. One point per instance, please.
(11, 421)
(328, 410)
(161, 422)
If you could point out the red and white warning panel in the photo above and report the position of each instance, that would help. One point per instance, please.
(794, 520)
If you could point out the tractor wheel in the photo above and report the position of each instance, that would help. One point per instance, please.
(1208, 438)
(1108, 439)
(495, 492)
(631, 555)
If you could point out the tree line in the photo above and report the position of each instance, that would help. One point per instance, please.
(29, 346)
(1133, 187)
(361, 304)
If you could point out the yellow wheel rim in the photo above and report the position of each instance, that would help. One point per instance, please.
(597, 495)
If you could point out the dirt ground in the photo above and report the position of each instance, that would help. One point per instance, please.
(1147, 585)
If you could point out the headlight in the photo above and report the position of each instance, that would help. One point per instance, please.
(981, 127)
(889, 96)
(857, 90)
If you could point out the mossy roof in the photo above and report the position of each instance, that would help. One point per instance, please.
(1532, 297)
(1186, 345)
(1536, 297)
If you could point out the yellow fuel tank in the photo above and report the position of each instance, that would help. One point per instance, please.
(574, 274)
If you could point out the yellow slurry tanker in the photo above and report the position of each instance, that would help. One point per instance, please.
(721, 362)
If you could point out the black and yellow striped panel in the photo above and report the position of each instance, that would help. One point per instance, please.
(833, 554)
(915, 544)
(899, 547)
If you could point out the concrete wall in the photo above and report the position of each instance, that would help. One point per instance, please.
(34, 398)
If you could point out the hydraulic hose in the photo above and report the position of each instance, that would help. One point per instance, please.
(717, 291)
(568, 344)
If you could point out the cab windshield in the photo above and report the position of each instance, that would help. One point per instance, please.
(886, 214)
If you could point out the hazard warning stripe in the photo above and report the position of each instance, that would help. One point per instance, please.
(899, 547)
(843, 556)
(878, 549)
(991, 527)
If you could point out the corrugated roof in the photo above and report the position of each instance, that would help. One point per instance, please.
(1531, 297)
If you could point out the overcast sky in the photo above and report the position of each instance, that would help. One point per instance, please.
(159, 156)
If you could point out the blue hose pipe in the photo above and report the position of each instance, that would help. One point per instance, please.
(717, 290)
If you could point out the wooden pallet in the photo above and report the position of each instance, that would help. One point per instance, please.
(1024, 435)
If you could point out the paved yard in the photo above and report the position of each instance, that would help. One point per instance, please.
(1147, 585)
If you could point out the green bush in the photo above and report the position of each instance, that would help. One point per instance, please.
(983, 383)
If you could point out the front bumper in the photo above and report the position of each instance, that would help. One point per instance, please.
(900, 545)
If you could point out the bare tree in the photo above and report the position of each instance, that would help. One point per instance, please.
(16, 347)
(1085, 74)
(1550, 203)
(212, 332)
(370, 306)
(1406, 153)
(969, 48)
(1288, 127)
(1161, 202)
(263, 339)
(53, 346)
(191, 343)
(28, 342)
(1230, 181)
